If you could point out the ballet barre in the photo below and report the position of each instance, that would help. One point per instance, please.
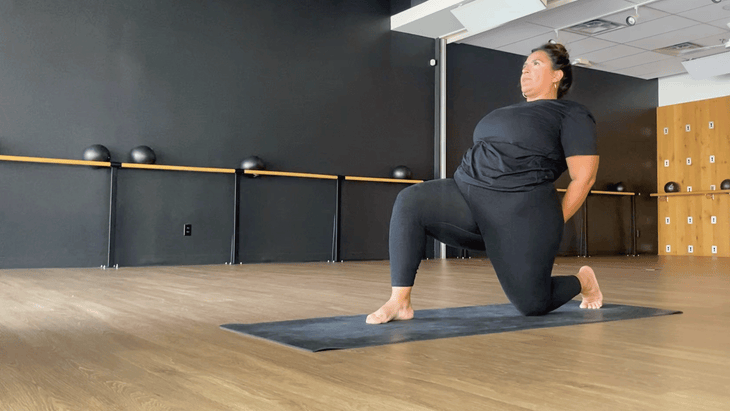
(234, 259)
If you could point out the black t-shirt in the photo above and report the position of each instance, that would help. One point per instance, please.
(524, 145)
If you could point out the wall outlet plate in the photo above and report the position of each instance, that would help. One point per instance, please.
(689, 188)
(689, 161)
(689, 220)
(712, 187)
(712, 125)
(666, 163)
(690, 249)
(712, 159)
(666, 130)
(688, 128)
(669, 248)
(666, 220)
(713, 219)
(188, 230)
(714, 249)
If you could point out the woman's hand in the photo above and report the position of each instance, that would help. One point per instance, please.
(583, 170)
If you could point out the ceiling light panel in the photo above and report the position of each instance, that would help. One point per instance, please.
(483, 15)
(433, 26)
(697, 31)
(594, 27)
(648, 29)
(707, 67)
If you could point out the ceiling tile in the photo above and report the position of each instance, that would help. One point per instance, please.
(610, 53)
(525, 47)
(668, 67)
(678, 36)
(648, 29)
(633, 60)
(505, 35)
(587, 45)
(678, 6)
(722, 23)
(708, 13)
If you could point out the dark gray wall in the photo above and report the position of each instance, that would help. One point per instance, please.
(480, 80)
(309, 86)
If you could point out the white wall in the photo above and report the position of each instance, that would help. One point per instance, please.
(683, 89)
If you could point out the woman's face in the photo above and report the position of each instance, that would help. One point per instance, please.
(538, 77)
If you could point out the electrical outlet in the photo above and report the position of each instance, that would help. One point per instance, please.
(689, 220)
(666, 163)
(689, 161)
(666, 130)
(712, 187)
(714, 249)
(712, 125)
(690, 249)
(687, 128)
(712, 159)
(188, 230)
(669, 248)
(666, 220)
(713, 219)
(689, 188)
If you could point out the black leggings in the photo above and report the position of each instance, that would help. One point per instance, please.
(520, 231)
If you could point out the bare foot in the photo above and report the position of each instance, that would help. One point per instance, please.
(390, 311)
(591, 293)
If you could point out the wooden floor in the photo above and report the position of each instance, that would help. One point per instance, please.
(148, 339)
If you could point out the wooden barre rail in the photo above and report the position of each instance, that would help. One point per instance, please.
(382, 180)
(199, 169)
(613, 193)
(22, 159)
(180, 168)
(690, 193)
(289, 174)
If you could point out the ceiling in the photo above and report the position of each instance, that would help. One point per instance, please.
(627, 50)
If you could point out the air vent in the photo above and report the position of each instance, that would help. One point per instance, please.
(678, 49)
(594, 27)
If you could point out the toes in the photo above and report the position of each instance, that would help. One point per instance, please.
(374, 318)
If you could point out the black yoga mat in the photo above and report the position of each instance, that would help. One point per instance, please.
(342, 332)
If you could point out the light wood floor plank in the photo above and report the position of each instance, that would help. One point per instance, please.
(149, 339)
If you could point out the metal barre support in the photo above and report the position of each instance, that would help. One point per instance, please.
(236, 216)
(337, 223)
(111, 246)
(633, 226)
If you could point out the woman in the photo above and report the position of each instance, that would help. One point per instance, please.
(502, 197)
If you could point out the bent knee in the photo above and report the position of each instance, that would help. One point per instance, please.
(410, 197)
(531, 309)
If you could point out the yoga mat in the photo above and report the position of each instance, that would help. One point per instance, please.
(343, 332)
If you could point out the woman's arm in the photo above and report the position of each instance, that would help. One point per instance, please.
(582, 171)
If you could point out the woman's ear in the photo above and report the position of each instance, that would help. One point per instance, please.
(557, 76)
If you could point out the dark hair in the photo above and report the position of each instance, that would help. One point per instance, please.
(560, 61)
